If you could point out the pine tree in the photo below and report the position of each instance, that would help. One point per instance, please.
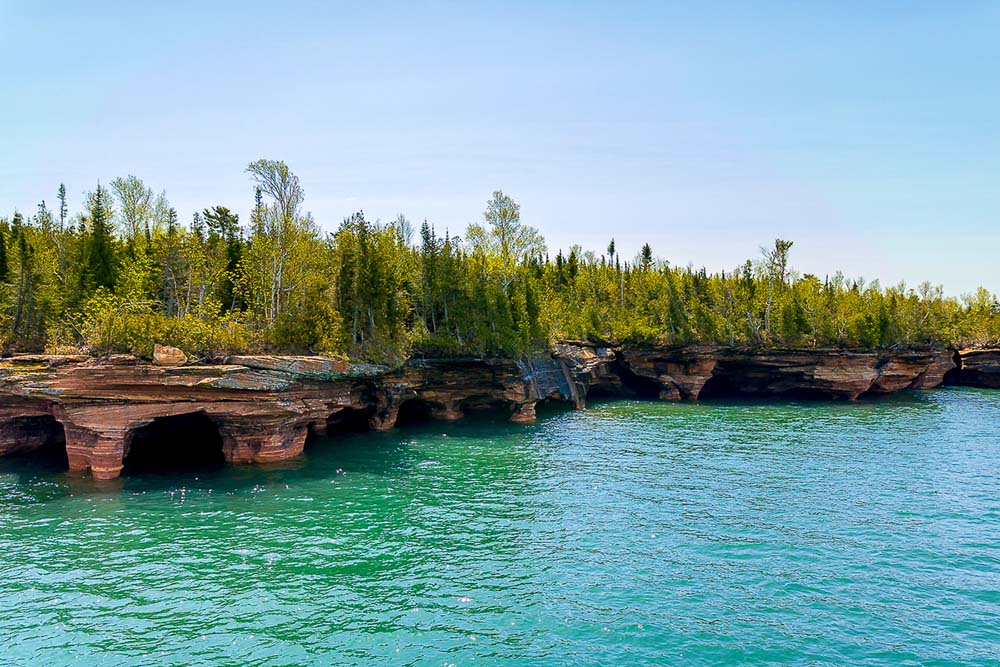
(4, 268)
(646, 257)
(224, 225)
(62, 206)
(100, 265)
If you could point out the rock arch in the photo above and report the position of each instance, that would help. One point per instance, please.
(414, 411)
(343, 420)
(487, 405)
(39, 436)
(174, 442)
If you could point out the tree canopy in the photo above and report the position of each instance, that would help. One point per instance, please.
(124, 274)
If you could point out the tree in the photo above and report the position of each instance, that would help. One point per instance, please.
(646, 257)
(100, 266)
(506, 237)
(776, 266)
(62, 206)
(43, 219)
(171, 260)
(24, 301)
(4, 270)
(224, 229)
(281, 227)
(135, 207)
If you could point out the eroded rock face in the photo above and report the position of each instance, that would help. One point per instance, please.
(941, 363)
(692, 373)
(262, 408)
(681, 373)
(587, 368)
(978, 368)
(26, 426)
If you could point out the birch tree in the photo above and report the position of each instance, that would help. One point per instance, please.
(281, 225)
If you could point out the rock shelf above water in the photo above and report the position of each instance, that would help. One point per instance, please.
(262, 408)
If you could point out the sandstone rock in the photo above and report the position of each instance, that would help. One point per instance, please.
(680, 372)
(262, 408)
(822, 374)
(594, 368)
(164, 355)
(916, 370)
(317, 367)
(941, 363)
(687, 373)
(978, 368)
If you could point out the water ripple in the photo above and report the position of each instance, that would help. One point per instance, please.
(631, 533)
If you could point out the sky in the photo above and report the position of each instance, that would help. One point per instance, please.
(867, 133)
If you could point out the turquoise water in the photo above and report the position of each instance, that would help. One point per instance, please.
(633, 533)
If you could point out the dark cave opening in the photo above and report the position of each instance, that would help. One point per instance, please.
(637, 385)
(412, 412)
(347, 420)
(485, 406)
(954, 376)
(41, 439)
(553, 406)
(719, 386)
(175, 443)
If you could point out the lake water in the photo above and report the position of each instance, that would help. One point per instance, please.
(632, 533)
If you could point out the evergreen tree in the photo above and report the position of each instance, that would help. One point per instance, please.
(646, 257)
(63, 210)
(4, 269)
(100, 267)
(123, 281)
(224, 228)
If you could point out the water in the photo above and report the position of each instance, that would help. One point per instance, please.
(633, 533)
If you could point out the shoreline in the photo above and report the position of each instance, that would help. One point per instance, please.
(262, 408)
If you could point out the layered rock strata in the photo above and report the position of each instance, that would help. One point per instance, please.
(263, 408)
(692, 373)
(976, 368)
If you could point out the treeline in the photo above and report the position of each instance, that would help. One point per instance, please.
(125, 273)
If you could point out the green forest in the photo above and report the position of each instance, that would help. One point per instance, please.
(125, 273)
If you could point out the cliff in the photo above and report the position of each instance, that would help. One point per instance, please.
(694, 373)
(109, 413)
(976, 368)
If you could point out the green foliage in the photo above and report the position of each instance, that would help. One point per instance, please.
(4, 271)
(109, 323)
(100, 267)
(125, 275)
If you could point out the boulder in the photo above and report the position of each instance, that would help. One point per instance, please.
(164, 355)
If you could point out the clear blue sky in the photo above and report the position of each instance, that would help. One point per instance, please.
(867, 132)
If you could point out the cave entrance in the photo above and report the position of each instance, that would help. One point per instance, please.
(719, 386)
(39, 439)
(175, 444)
(552, 406)
(639, 386)
(413, 411)
(485, 407)
(347, 420)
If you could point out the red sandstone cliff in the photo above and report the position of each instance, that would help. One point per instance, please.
(978, 368)
(692, 373)
(264, 407)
